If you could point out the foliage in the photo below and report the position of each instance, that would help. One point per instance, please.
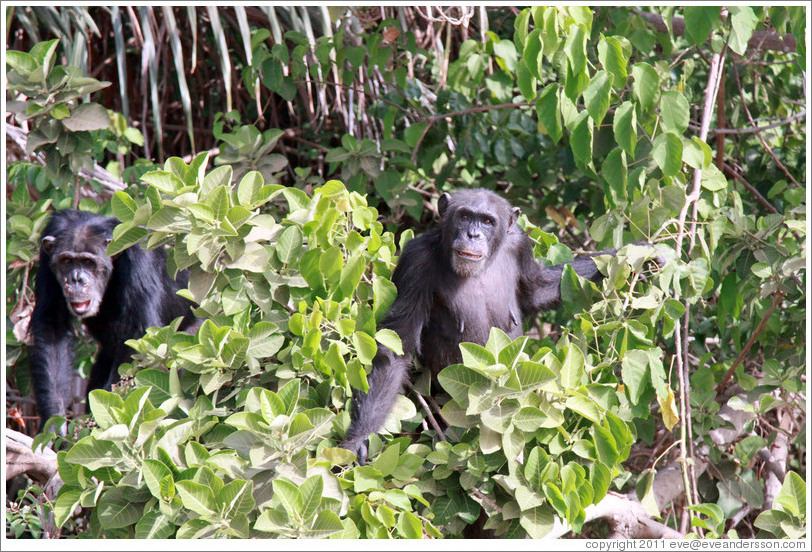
(591, 117)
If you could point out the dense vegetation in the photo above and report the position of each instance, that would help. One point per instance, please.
(284, 155)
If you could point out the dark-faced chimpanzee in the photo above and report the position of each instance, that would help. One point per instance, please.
(473, 272)
(115, 298)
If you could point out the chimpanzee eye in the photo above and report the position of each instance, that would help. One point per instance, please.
(488, 221)
(464, 218)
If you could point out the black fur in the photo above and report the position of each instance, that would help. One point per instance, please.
(139, 294)
(441, 303)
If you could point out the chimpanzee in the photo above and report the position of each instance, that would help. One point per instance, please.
(475, 271)
(115, 298)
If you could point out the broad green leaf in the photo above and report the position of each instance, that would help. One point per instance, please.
(675, 112)
(792, 497)
(116, 509)
(596, 96)
(667, 153)
(575, 48)
(646, 85)
(65, 504)
(22, 62)
(572, 370)
(537, 521)
(326, 523)
(154, 525)
(613, 59)
(124, 207)
(605, 445)
(410, 526)
(635, 373)
(289, 244)
(615, 173)
(196, 497)
(743, 23)
(87, 116)
(713, 179)
(700, 21)
(581, 139)
(365, 346)
(548, 112)
(94, 454)
(390, 339)
(625, 127)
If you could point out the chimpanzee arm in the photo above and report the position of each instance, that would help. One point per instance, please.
(414, 278)
(51, 353)
(540, 288)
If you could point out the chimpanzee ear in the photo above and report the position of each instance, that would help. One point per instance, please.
(48, 244)
(514, 216)
(442, 204)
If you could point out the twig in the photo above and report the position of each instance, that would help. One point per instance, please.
(735, 174)
(432, 421)
(779, 295)
(758, 134)
(479, 109)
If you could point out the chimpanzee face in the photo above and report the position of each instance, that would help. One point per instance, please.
(82, 268)
(474, 225)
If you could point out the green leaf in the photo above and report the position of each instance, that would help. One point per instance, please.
(646, 85)
(66, 503)
(616, 174)
(743, 23)
(613, 59)
(675, 112)
(581, 139)
(87, 116)
(289, 244)
(635, 373)
(526, 81)
(154, 525)
(94, 454)
(572, 370)
(154, 472)
(596, 96)
(390, 339)
(548, 112)
(327, 523)
(625, 127)
(22, 62)
(457, 379)
(476, 356)
(537, 521)
(575, 48)
(667, 153)
(605, 445)
(713, 179)
(409, 525)
(124, 207)
(116, 509)
(311, 490)
(792, 497)
(365, 346)
(196, 497)
(700, 21)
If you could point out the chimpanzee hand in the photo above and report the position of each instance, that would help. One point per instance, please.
(359, 447)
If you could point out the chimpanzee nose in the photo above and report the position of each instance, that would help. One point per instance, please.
(474, 234)
(78, 278)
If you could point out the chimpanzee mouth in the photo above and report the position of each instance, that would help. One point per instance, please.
(80, 307)
(469, 255)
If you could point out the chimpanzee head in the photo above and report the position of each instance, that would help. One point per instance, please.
(474, 223)
(80, 263)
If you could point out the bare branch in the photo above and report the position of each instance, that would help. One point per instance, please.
(761, 40)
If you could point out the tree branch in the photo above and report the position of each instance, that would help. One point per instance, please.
(761, 40)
